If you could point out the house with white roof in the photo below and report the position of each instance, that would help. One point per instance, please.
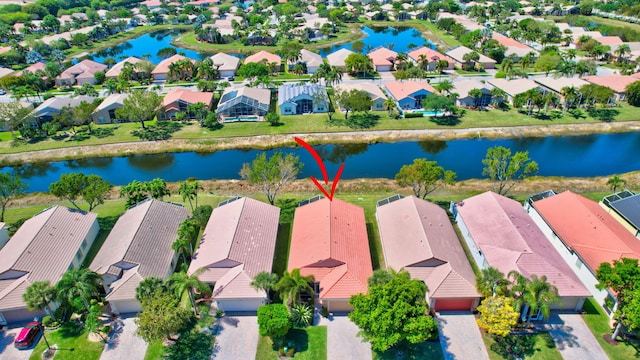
(377, 96)
(105, 113)
(226, 64)
(302, 99)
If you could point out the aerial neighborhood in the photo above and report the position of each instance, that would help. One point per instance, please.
(166, 183)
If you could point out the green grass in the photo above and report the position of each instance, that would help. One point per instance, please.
(430, 350)
(598, 323)
(71, 340)
(543, 349)
(310, 344)
(155, 351)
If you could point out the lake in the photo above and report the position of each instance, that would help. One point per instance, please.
(397, 39)
(571, 156)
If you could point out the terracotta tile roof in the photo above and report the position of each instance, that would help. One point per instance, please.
(117, 68)
(432, 55)
(238, 243)
(613, 81)
(417, 234)
(608, 40)
(83, 69)
(163, 66)
(32, 68)
(403, 89)
(260, 55)
(42, 249)
(188, 96)
(329, 238)
(510, 240)
(382, 56)
(507, 41)
(586, 228)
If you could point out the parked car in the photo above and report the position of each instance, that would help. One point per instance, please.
(2, 92)
(28, 335)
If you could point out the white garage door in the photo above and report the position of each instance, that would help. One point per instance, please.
(240, 305)
(125, 306)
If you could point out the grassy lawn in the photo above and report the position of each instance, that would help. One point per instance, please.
(310, 344)
(155, 351)
(543, 348)
(430, 350)
(71, 340)
(598, 323)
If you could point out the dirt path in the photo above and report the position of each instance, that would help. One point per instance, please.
(284, 140)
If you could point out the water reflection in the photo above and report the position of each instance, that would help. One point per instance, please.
(100, 163)
(432, 146)
(151, 162)
(26, 171)
(337, 154)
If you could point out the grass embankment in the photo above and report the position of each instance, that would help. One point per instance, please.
(599, 324)
(310, 344)
(543, 348)
(72, 344)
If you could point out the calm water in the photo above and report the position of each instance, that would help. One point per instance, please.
(397, 39)
(589, 155)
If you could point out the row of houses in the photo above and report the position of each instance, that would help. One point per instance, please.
(564, 237)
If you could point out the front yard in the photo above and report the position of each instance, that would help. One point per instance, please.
(71, 341)
(598, 323)
(536, 347)
(310, 344)
(429, 350)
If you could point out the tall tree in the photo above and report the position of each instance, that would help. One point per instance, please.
(274, 321)
(540, 295)
(271, 175)
(161, 316)
(354, 100)
(265, 281)
(11, 187)
(140, 106)
(82, 114)
(623, 278)
(135, 192)
(180, 282)
(148, 287)
(189, 191)
(292, 284)
(39, 296)
(93, 189)
(424, 177)
(78, 285)
(616, 182)
(491, 282)
(157, 188)
(504, 169)
(633, 93)
(393, 313)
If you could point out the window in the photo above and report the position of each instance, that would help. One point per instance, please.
(79, 254)
(579, 264)
(84, 244)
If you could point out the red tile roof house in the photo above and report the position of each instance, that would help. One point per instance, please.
(432, 57)
(417, 236)
(329, 241)
(138, 247)
(263, 57)
(237, 244)
(177, 100)
(161, 71)
(585, 235)
(44, 248)
(409, 94)
(383, 59)
(80, 73)
(500, 233)
(616, 82)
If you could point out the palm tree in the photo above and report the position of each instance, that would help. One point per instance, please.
(389, 105)
(507, 67)
(265, 281)
(491, 282)
(205, 70)
(498, 95)
(39, 296)
(622, 51)
(78, 284)
(571, 54)
(570, 95)
(423, 62)
(298, 69)
(616, 182)
(148, 287)
(400, 60)
(445, 86)
(180, 282)
(189, 191)
(441, 66)
(182, 246)
(476, 94)
(292, 284)
(539, 295)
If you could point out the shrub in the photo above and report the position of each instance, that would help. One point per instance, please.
(46, 321)
(301, 315)
(412, 115)
(106, 329)
(325, 312)
(501, 75)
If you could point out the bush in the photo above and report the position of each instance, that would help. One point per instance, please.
(325, 312)
(46, 321)
(301, 315)
(106, 329)
(412, 115)
(501, 75)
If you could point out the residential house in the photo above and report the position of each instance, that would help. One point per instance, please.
(162, 70)
(302, 99)
(624, 206)
(329, 241)
(52, 106)
(514, 49)
(463, 87)
(243, 104)
(338, 57)
(432, 57)
(585, 235)
(226, 64)
(417, 236)
(458, 53)
(263, 57)
(39, 66)
(53, 241)
(499, 233)
(80, 73)
(138, 247)
(377, 96)
(556, 85)
(179, 99)
(311, 60)
(105, 113)
(609, 40)
(383, 59)
(409, 94)
(618, 83)
(5, 125)
(512, 87)
(238, 243)
(117, 68)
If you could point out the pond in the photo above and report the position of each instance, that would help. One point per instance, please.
(572, 156)
(398, 39)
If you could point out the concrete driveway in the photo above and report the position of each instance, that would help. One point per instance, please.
(7, 350)
(573, 337)
(236, 338)
(343, 341)
(460, 337)
(123, 343)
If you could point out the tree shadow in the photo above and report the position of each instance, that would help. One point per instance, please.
(297, 338)
(103, 132)
(445, 120)
(514, 346)
(79, 136)
(606, 115)
(357, 121)
(161, 131)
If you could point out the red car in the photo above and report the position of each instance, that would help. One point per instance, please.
(28, 335)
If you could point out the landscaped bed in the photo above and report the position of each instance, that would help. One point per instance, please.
(538, 346)
(72, 344)
(598, 323)
(310, 344)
